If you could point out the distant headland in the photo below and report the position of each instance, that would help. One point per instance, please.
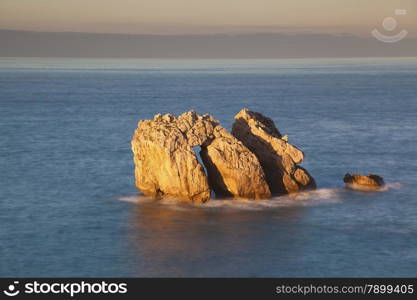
(229, 46)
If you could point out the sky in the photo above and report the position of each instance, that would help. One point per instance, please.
(357, 17)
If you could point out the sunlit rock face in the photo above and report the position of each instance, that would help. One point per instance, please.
(359, 182)
(279, 159)
(166, 164)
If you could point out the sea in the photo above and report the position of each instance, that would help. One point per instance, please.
(69, 206)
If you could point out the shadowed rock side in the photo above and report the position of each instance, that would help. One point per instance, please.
(278, 158)
(359, 182)
(166, 165)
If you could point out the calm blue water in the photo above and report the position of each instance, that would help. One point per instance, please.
(68, 205)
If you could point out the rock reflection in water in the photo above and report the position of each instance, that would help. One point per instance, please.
(180, 240)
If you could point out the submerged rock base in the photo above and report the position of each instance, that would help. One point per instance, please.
(252, 162)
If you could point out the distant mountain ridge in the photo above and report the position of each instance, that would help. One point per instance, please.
(252, 45)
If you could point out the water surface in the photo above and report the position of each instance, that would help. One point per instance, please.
(68, 205)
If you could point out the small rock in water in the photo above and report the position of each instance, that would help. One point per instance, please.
(359, 182)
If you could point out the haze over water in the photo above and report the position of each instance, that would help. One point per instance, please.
(69, 207)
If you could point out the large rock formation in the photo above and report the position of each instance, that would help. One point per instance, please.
(278, 158)
(166, 164)
(359, 182)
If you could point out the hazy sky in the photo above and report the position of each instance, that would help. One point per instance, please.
(205, 16)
